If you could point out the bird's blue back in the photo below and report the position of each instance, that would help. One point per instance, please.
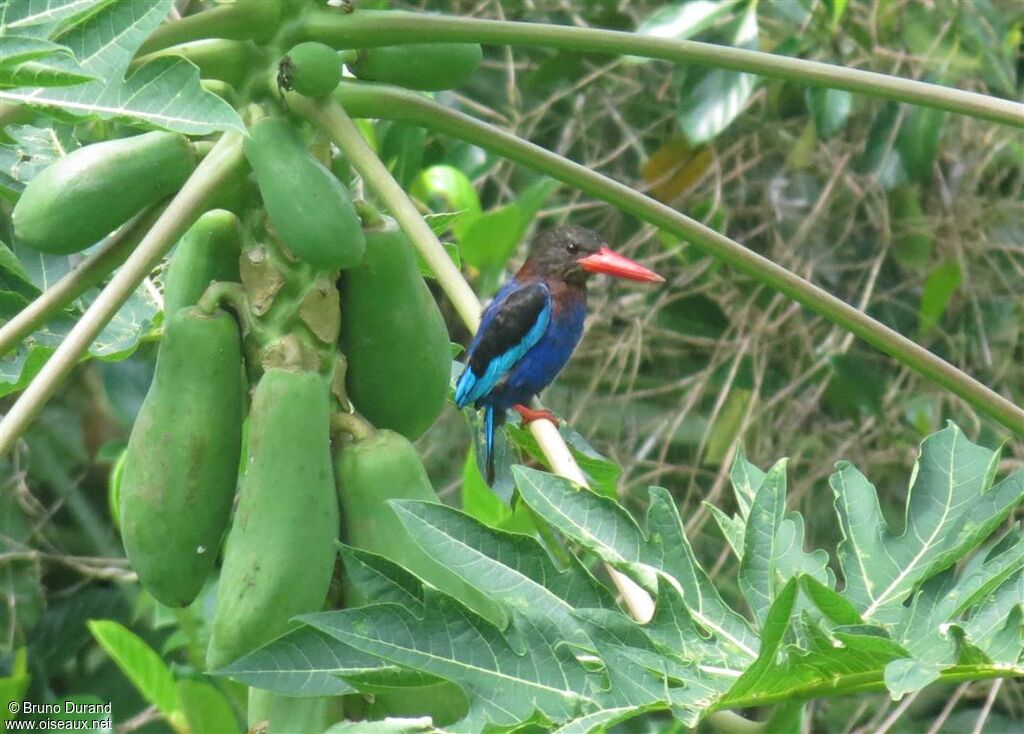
(541, 364)
(529, 366)
(473, 387)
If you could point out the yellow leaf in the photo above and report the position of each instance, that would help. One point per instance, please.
(675, 167)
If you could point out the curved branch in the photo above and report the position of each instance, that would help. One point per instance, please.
(370, 100)
(366, 28)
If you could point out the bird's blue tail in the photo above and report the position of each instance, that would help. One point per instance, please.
(489, 443)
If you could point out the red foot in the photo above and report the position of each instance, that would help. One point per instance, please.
(530, 415)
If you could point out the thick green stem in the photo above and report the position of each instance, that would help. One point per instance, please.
(365, 100)
(351, 424)
(179, 215)
(89, 272)
(729, 722)
(240, 21)
(234, 296)
(365, 28)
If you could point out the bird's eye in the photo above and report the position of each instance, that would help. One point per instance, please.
(572, 248)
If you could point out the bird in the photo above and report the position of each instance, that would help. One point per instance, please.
(531, 327)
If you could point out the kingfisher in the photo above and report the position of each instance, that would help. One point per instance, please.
(530, 329)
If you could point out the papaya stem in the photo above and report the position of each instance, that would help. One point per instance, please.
(239, 21)
(338, 388)
(253, 114)
(729, 722)
(368, 28)
(352, 424)
(369, 215)
(231, 294)
(88, 273)
(202, 148)
(180, 214)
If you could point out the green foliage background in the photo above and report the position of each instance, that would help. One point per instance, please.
(913, 215)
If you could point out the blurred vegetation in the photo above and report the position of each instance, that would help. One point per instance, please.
(913, 215)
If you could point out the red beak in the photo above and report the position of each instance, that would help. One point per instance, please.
(609, 262)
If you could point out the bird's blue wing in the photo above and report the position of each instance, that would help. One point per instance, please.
(512, 324)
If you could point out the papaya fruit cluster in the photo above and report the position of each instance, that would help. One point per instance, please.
(257, 299)
(286, 305)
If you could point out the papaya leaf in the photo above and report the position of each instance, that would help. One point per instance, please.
(512, 569)
(118, 340)
(382, 579)
(727, 639)
(599, 523)
(58, 70)
(600, 721)
(26, 60)
(602, 472)
(640, 674)
(506, 681)
(760, 554)
(303, 662)
(33, 149)
(802, 657)
(566, 659)
(44, 18)
(951, 508)
(164, 93)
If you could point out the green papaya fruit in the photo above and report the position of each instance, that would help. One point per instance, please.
(428, 67)
(394, 337)
(208, 251)
(181, 467)
(81, 198)
(310, 68)
(279, 555)
(371, 471)
(310, 209)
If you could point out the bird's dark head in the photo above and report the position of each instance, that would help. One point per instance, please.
(572, 253)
